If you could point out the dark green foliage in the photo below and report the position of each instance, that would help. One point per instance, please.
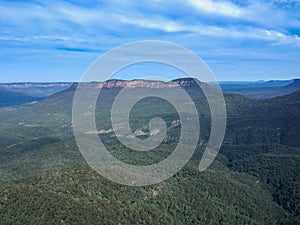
(277, 166)
(255, 179)
(80, 196)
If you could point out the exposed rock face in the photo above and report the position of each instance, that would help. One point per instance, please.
(32, 85)
(187, 82)
(131, 84)
(35, 89)
(184, 82)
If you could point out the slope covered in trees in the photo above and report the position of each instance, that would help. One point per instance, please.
(255, 179)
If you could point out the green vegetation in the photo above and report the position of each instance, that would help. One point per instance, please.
(255, 179)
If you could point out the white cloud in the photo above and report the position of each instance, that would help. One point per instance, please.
(57, 16)
(159, 23)
(217, 7)
(240, 32)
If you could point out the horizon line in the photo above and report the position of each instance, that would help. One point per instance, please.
(70, 82)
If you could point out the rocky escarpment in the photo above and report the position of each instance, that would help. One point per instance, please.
(33, 85)
(35, 89)
(183, 82)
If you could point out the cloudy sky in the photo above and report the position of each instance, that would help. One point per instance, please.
(238, 39)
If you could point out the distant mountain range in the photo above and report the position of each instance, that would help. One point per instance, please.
(261, 90)
(35, 89)
(21, 93)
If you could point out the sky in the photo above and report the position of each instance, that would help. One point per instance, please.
(51, 41)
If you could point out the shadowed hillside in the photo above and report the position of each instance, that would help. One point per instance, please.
(255, 179)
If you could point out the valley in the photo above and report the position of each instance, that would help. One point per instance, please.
(254, 180)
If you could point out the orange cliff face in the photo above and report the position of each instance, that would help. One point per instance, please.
(185, 82)
(182, 82)
(134, 84)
